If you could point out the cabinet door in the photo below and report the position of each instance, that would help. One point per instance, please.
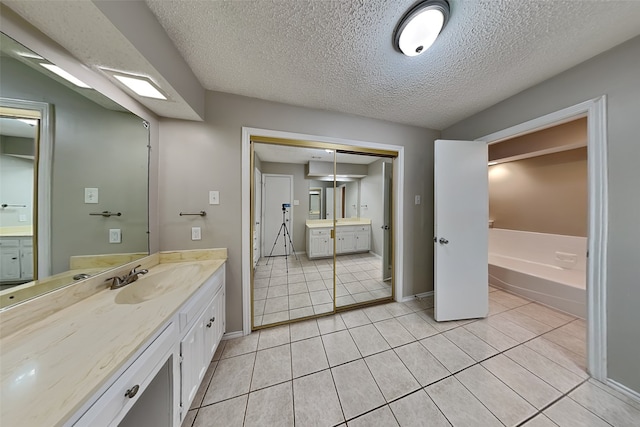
(193, 365)
(211, 332)
(346, 242)
(9, 263)
(26, 262)
(363, 241)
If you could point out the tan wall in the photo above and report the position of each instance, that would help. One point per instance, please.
(545, 194)
(568, 135)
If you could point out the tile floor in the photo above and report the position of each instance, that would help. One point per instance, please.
(307, 288)
(393, 365)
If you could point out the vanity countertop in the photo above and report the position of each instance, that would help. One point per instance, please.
(17, 231)
(50, 367)
(324, 223)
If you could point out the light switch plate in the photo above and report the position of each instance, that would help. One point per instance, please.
(196, 233)
(418, 200)
(114, 235)
(296, 203)
(91, 195)
(214, 197)
(22, 218)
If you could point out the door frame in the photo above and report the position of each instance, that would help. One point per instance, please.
(262, 213)
(397, 214)
(595, 111)
(42, 184)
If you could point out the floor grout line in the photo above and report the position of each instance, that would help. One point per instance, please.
(415, 310)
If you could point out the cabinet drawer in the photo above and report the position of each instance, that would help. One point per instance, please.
(9, 243)
(363, 228)
(114, 404)
(321, 232)
(191, 311)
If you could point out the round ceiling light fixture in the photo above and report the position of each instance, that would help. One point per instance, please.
(419, 28)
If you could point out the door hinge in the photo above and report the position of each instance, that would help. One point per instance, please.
(180, 359)
(332, 234)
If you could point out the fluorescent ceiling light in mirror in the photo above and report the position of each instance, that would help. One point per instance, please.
(30, 122)
(65, 75)
(141, 86)
(29, 55)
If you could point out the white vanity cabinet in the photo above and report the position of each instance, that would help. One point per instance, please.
(169, 368)
(349, 239)
(363, 238)
(114, 404)
(16, 258)
(202, 336)
(319, 242)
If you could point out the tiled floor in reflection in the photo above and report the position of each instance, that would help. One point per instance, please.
(394, 365)
(307, 288)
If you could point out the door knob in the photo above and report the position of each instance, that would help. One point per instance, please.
(443, 241)
(385, 227)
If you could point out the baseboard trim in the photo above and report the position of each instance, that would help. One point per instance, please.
(232, 335)
(418, 296)
(624, 389)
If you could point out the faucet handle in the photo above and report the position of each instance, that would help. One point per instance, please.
(133, 270)
(115, 281)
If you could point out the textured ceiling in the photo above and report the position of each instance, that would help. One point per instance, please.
(337, 55)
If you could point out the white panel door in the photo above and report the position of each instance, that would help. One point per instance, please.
(277, 190)
(329, 202)
(461, 230)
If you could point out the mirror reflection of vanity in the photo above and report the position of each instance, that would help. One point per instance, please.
(321, 237)
(73, 196)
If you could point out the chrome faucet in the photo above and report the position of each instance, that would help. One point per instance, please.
(134, 274)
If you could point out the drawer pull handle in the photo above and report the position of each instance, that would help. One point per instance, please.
(132, 391)
(213, 319)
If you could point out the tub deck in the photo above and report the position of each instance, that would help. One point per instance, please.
(563, 289)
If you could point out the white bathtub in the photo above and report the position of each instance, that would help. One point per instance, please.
(547, 268)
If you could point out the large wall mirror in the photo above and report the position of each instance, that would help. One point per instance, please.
(74, 178)
(321, 231)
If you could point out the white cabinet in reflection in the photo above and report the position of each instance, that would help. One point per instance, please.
(349, 239)
(16, 259)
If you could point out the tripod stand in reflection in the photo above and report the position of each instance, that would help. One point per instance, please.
(285, 236)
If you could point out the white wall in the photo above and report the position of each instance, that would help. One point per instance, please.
(616, 74)
(198, 157)
(16, 188)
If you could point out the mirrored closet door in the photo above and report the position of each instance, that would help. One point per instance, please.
(321, 229)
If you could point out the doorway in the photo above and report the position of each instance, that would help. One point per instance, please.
(19, 144)
(344, 237)
(594, 110)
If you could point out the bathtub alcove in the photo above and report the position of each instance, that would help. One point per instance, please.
(547, 268)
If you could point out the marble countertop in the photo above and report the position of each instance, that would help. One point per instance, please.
(52, 366)
(324, 223)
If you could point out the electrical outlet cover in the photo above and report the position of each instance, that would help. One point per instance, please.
(114, 235)
(196, 233)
